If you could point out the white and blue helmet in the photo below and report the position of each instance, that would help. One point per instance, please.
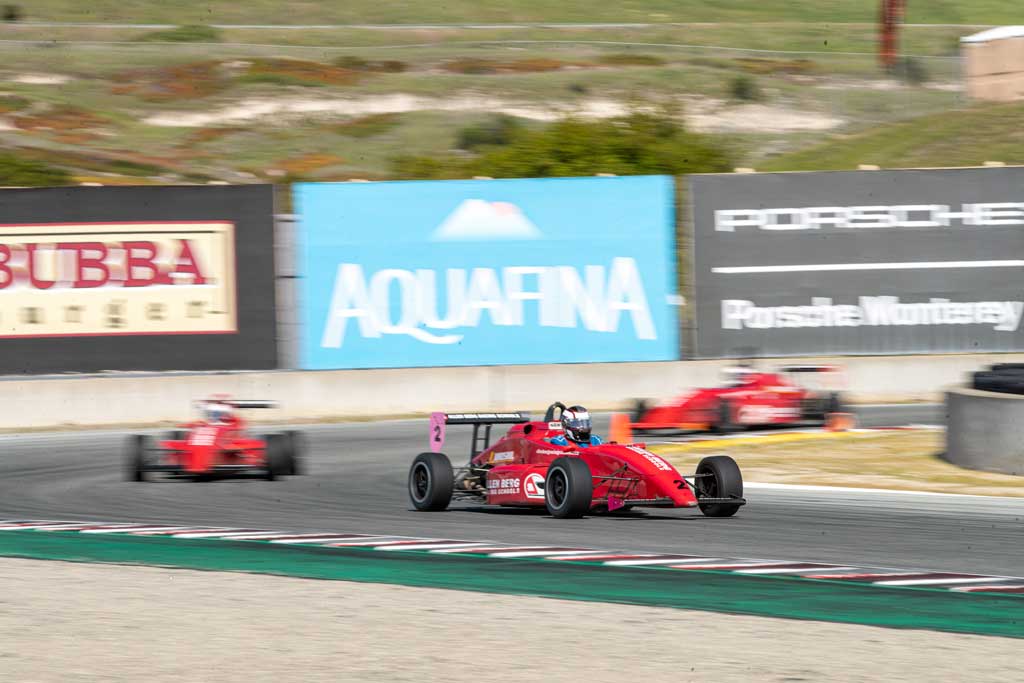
(576, 424)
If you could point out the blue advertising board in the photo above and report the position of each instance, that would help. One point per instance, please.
(486, 272)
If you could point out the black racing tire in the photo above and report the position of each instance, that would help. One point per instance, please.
(297, 451)
(834, 404)
(725, 481)
(176, 435)
(724, 423)
(276, 455)
(137, 457)
(568, 488)
(431, 481)
(640, 408)
(1008, 368)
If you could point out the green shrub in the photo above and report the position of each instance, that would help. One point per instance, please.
(911, 71)
(354, 63)
(745, 89)
(15, 172)
(499, 130)
(367, 126)
(12, 13)
(630, 59)
(271, 78)
(193, 33)
(640, 143)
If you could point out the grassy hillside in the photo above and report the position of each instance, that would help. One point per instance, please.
(958, 138)
(468, 11)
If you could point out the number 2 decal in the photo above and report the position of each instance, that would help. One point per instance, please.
(437, 433)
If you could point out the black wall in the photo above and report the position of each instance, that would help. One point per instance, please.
(249, 207)
(952, 220)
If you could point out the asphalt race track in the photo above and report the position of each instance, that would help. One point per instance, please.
(357, 483)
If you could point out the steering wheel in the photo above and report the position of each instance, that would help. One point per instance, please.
(549, 416)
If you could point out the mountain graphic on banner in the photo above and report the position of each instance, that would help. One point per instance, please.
(479, 219)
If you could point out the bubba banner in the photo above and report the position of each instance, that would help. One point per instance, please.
(137, 279)
(486, 272)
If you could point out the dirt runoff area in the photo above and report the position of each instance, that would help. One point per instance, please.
(908, 460)
(84, 622)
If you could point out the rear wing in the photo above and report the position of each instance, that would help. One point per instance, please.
(241, 405)
(439, 422)
(817, 377)
(809, 368)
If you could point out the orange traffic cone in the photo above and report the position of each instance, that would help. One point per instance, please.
(620, 430)
(840, 422)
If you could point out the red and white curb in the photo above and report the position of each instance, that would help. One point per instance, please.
(904, 578)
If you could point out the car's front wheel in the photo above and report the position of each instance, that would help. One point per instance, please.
(278, 462)
(719, 478)
(431, 481)
(568, 488)
(137, 457)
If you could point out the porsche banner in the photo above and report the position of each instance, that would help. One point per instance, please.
(860, 262)
(137, 278)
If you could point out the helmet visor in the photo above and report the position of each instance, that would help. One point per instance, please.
(578, 424)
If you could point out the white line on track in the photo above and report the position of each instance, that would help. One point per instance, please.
(932, 582)
(136, 530)
(535, 553)
(993, 588)
(804, 570)
(432, 546)
(850, 489)
(226, 533)
(325, 538)
(643, 563)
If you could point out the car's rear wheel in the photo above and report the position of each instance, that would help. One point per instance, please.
(431, 481)
(276, 455)
(724, 423)
(640, 408)
(137, 457)
(297, 451)
(718, 476)
(568, 488)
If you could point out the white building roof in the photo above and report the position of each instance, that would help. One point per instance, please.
(998, 33)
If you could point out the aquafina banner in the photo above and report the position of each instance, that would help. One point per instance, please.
(486, 272)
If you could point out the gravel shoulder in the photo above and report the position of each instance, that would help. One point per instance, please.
(898, 460)
(79, 622)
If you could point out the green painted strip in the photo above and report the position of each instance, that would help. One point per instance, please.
(834, 601)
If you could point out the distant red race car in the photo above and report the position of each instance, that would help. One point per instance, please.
(216, 445)
(796, 394)
(524, 469)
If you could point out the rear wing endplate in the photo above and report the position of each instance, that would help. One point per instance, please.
(241, 405)
(809, 368)
(439, 421)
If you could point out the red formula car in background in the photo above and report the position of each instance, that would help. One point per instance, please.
(218, 444)
(524, 469)
(795, 394)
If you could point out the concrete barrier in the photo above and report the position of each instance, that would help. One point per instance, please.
(985, 430)
(149, 398)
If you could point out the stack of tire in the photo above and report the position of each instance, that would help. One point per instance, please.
(1004, 378)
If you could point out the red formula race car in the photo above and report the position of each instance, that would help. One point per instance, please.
(524, 469)
(218, 444)
(795, 394)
